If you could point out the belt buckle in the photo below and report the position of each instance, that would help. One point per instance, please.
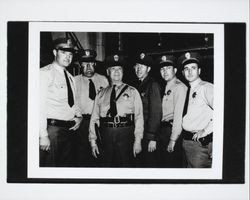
(116, 119)
(52, 122)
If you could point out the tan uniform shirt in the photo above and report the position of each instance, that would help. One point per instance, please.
(128, 103)
(173, 104)
(54, 96)
(200, 108)
(82, 91)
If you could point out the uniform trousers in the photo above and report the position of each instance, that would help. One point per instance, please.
(165, 158)
(117, 145)
(60, 153)
(83, 150)
(197, 156)
(145, 158)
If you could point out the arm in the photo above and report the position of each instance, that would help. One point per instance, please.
(209, 96)
(43, 133)
(154, 115)
(179, 100)
(94, 120)
(139, 123)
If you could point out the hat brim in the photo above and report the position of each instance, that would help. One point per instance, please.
(66, 49)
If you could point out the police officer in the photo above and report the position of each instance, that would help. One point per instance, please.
(198, 114)
(150, 93)
(118, 112)
(59, 115)
(88, 84)
(170, 150)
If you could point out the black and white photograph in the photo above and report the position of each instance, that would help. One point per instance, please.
(141, 99)
(107, 102)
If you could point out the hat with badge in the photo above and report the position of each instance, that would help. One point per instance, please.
(86, 55)
(190, 57)
(114, 60)
(64, 44)
(144, 59)
(166, 60)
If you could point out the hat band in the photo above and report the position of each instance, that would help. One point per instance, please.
(165, 64)
(66, 49)
(188, 61)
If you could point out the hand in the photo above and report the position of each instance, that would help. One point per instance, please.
(151, 146)
(78, 121)
(171, 145)
(95, 151)
(137, 148)
(198, 135)
(44, 143)
(94, 147)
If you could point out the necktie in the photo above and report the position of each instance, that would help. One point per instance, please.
(186, 102)
(92, 92)
(70, 93)
(113, 109)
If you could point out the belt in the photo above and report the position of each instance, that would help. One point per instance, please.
(116, 125)
(86, 116)
(167, 123)
(117, 121)
(61, 123)
(204, 140)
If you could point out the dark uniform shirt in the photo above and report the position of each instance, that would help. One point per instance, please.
(152, 109)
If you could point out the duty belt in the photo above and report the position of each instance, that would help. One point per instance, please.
(204, 140)
(86, 116)
(61, 123)
(167, 123)
(117, 121)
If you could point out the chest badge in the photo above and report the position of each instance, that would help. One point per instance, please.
(169, 92)
(194, 95)
(125, 96)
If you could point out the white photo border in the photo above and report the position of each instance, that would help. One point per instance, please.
(33, 169)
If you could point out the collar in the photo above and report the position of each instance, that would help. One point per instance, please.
(195, 83)
(59, 68)
(87, 78)
(171, 82)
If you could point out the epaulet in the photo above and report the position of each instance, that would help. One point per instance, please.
(178, 81)
(131, 87)
(46, 68)
(203, 83)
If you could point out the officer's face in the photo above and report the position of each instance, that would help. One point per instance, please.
(168, 72)
(63, 58)
(115, 73)
(141, 71)
(191, 72)
(88, 68)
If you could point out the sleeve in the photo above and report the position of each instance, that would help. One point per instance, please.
(209, 96)
(44, 83)
(155, 112)
(139, 123)
(77, 106)
(179, 100)
(95, 119)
